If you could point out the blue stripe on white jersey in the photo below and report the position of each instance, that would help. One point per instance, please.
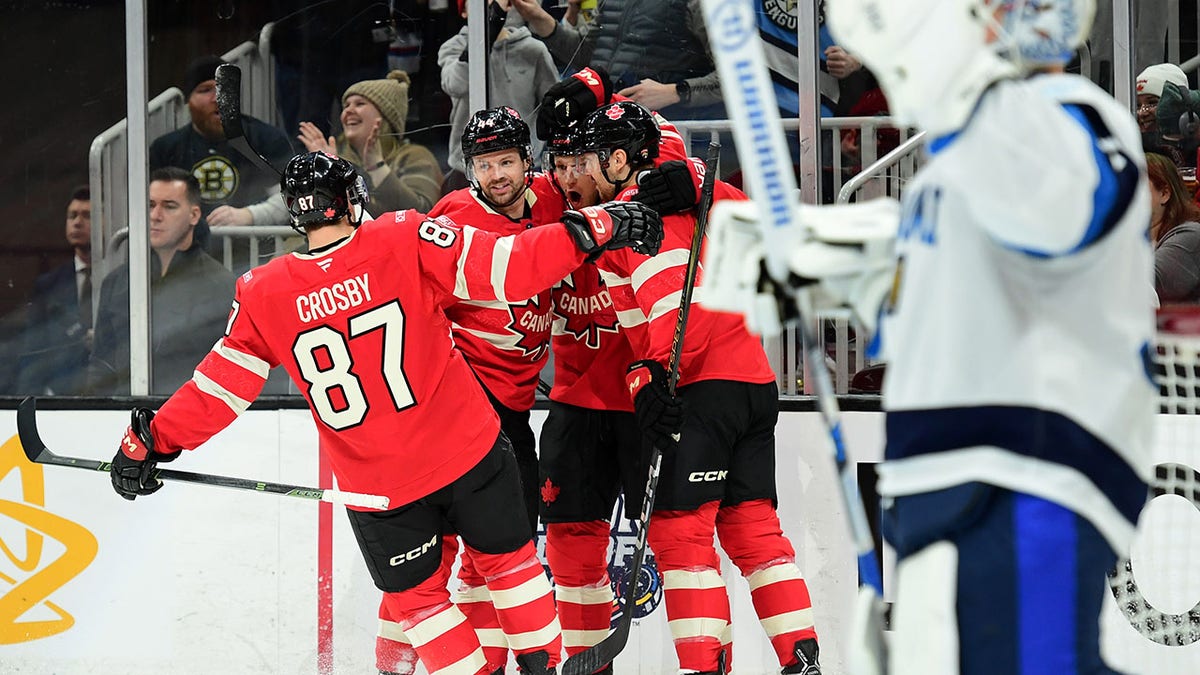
(1046, 435)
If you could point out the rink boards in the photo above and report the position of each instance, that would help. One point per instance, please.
(206, 580)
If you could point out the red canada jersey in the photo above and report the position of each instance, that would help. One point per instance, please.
(646, 292)
(360, 328)
(591, 352)
(505, 343)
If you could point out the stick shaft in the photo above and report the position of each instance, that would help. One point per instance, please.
(37, 452)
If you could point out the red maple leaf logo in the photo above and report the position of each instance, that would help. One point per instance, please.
(329, 212)
(614, 112)
(550, 492)
(586, 307)
(531, 322)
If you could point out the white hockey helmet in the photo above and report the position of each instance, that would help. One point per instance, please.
(1037, 33)
(931, 57)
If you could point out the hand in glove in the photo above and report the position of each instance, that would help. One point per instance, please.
(133, 466)
(570, 100)
(841, 255)
(1178, 111)
(615, 225)
(659, 413)
(669, 188)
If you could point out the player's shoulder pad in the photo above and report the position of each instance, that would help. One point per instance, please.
(1076, 90)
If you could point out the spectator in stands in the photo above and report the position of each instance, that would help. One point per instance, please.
(233, 190)
(1149, 89)
(656, 52)
(520, 71)
(190, 296)
(1175, 231)
(321, 48)
(58, 336)
(400, 174)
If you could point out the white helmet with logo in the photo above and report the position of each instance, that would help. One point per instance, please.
(931, 57)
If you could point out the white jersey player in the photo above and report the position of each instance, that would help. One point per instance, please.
(1016, 323)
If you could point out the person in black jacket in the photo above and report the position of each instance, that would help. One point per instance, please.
(57, 340)
(190, 296)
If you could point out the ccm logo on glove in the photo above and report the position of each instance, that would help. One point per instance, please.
(598, 220)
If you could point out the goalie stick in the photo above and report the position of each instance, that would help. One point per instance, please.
(229, 106)
(37, 452)
(605, 652)
(751, 105)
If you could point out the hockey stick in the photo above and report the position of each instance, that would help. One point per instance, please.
(229, 106)
(605, 652)
(751, 105)
(38, 453)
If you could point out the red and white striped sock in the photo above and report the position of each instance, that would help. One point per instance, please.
(523, 599)
(577, 555)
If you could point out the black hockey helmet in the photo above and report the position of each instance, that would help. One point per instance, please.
(319, 188)
(623, 125)
(494, 129)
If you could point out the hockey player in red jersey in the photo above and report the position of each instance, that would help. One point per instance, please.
(358, 324)
(504, 343)
(591, 447)
(720, 474)
(506, 346)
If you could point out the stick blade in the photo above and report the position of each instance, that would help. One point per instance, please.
(229, 99)
(600, 654)
(31, 440)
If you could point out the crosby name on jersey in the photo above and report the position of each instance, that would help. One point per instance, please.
(328, 300)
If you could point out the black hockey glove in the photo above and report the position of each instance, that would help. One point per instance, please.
(570, 100)
(615, 225)
(133, 466)
(669, 188)
(658, 413)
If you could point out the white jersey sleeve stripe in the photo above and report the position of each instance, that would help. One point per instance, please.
(631, 317)
(248, 361)
(666, 304)
(500, 256)
(210, 387)
(460, 277)
(665, 260)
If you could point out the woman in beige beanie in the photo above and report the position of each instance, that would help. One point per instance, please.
(402, 175)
